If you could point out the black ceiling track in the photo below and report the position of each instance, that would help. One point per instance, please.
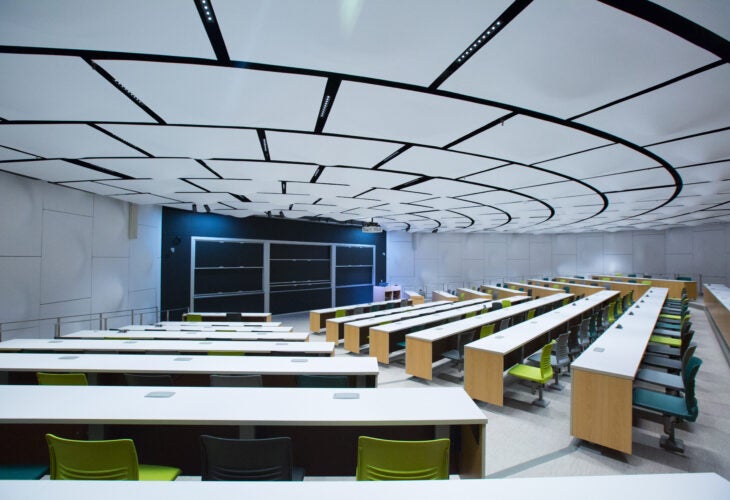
(498, 121)
(210, 23)
(264, 143)
(205, 166)
(391, 156)
(494, 27)
(108, 77)
(676, 24)
(91, 166)
(328, 99)
(117, 138)
(690, 136)
(316, 175)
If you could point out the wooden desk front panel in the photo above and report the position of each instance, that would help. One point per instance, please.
(435, 295)
(484, 376)
(500, 293)
(719, 313)
(601, 409)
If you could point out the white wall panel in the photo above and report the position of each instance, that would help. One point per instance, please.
(540, 258)
(679, 240)
(617, 263)
(589, 256)
(564, 244)
(110, 228)
(71, 201)
(20, 288)
(649, 253)
(401, 260)
(142, 256)
(109, 284)
(518, 269)
(140, 299)
(66, 264)
(617, 243)
(81, 308)
(450, 262)
(564, 264)
(495, 259)
(519, 246)
(427, 272)
(708, 252)
(473, 246)
(681, 263)
(149, 215)
(426, 245)
(20, 216)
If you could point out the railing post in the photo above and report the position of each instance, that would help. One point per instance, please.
(101, 321)
(132, 316)
(106, 324)
(57, 328)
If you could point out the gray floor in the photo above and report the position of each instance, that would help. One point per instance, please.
(527, 441)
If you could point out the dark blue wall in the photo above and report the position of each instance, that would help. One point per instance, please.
(178, 226)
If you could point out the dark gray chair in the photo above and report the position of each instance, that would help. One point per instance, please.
(334, 381)
(152, 379)
(458, 353)
(267, 459)
(559, 359)
(236, 381)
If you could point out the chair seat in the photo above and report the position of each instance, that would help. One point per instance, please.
(535, 358)
(667, 380)
(670, 341)
(667, 333)
(531, 373)
(453, 355)
(662, 362)
(158, 473)
(663, 403)
(664, 350)
(670, 326)
(22, 471)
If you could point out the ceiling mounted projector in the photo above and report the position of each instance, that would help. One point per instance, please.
(372, 227)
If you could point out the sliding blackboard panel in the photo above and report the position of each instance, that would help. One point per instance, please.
(282, 302)
(228, 254)
(232, 303)
(354, 295)
(354, 255)
(227, 280)
(354, 276)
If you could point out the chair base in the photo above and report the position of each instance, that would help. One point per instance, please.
(669, 443)
(542, 403)
(556, 386)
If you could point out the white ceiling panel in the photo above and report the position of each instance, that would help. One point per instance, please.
(160, 27)
(710, 172)
(322, 190)
(391, 196)
(632, 180)
(242, 187)
(62, 141)
(641, 198)
(515, 176)
(163, 187)
(700, 149)
(402, 115)
(698, 104)
(444, 187)
(263, 171)
(416, 40)
(602, 161)
(496, 198)
(337, 203)
(183, 94)
(283, 199)
(9, 154)
(528, 140)
(560, 191)
(445, 203)
(144, 199)
(326, 150)
(363, 177)
(191, 142)
(204, 198)
(96, 188)
(53, 171)
(40, 87)
(712, 14)
(439, 163)
(574, 57)
(154, 168)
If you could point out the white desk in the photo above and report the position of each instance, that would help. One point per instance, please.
(336, 326)
(192, 327)
(170, 335)
(442, 295)
(186, 324)
(535, 291)
(363, 370)
(717, 302)
(574, 288)
(469, 293)
(356, 331)
(319, 317)
(603, 376)
(426, 346)
(257, 348)
(324, 429)
(221, 316)
(674, 287)
(705, 486)
(486, 360)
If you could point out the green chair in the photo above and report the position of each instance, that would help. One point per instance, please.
(388, 460)
(61, 378)
(530, 314)
(538, 375)
(340, 313)
(332, 381)
(684, 278)
(506, 302)
(102, 460)
(646, 282)
(230, 380)
(559, 359)
(470, 314)
(194, 317)
(672, 407)
(486, 330)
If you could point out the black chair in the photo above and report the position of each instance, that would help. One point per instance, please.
(236, 381)
(333, 381)
(148, 379)
(233, 316)
(267, 459)
(458, 353)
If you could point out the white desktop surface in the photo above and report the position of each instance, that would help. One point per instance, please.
(454, 327)
(721, 293)
(197, 346)
(517, 335)
(355, 306)
(192, 327)
(387, 312)
(217, 323)
(448, 313)
(166, 363)
(168, 335)
(705, 486)
(619, 351)
(441, 305)
(212, 405)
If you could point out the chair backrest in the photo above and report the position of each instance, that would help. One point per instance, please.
(530, 314)
(148, 379)
(645, 282)
(45, 378)
(323, 381)
(464, 338)
(340, 313)
(196, 317)
(236, 381)
(688, 375)
(384, 459)
(470, 314)
(486, 330)
(267, 459)
(233, 316)
(96, 460)
(561, 349)
(506, 302)
(546, 369)
(505, 323)
(496, 306)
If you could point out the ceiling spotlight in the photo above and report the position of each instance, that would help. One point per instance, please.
(435, 230)
(195, 208)
(207, 208)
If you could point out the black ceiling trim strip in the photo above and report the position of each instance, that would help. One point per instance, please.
(392, 155)
(573, 154)
(484, 37)
(411, 183)
(96, 168)
(320, 170)
(194, 185)
(328, 100)
(471, 223)
(704, 163)
(650, 89)
(37, 157)
(241, 197)
(264, 143)
(498, 121)
(691, 136)
(116, 137)
(108, 77)
(212, 29)
(623, 172)
(675, 24)
(205, 166)
(645, 188)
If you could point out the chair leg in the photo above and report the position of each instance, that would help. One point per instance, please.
(556, 386)
(669, 442)
(542, 403)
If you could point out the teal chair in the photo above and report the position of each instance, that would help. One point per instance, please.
(672, 407)
(22, 471)
(538, 375)
(388, 460)
(331, 381)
